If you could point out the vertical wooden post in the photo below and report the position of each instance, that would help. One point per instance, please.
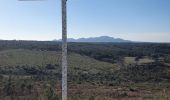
(64, 49)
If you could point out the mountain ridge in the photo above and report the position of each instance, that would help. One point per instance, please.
(97, 39)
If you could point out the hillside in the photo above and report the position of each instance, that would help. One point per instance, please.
(95, 70)
(28, 62)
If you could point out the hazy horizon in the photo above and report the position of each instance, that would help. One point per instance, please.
(81, 38)
(135, 20)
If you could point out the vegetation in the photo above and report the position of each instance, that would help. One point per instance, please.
(31, 70)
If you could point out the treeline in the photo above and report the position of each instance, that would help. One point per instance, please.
(108, 52)
(111, 52)
(31, 45)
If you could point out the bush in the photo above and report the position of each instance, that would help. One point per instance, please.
(91, 98)
(49, 94)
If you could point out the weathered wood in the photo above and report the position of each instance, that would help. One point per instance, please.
(64, 49)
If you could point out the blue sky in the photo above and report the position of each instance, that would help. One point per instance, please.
(138, 20)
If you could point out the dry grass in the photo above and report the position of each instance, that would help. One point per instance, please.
(131, 60)
(20, 57)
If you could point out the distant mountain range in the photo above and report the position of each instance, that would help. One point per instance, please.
(97, 39)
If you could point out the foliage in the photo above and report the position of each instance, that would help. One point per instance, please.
(28, 67)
